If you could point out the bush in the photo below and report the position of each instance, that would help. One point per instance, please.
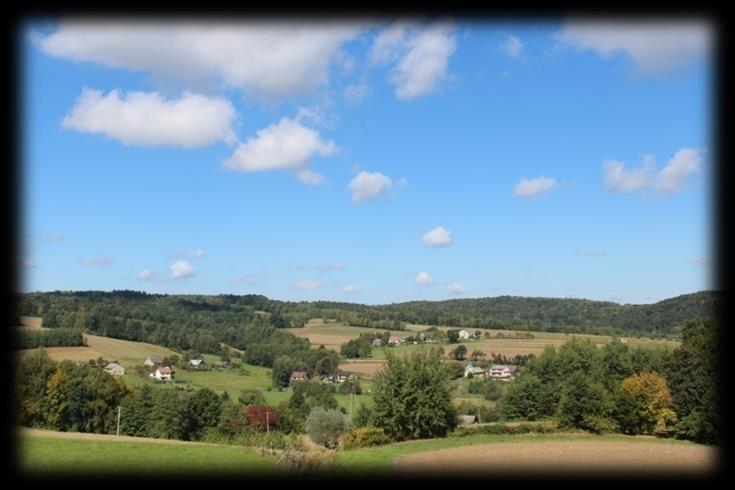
(325, 426)
(364, 437)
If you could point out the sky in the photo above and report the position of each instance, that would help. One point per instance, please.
(368, 160)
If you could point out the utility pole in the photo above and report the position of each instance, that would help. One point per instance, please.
(267, 421)
(119, 409)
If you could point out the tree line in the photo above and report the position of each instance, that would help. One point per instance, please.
(57, 337)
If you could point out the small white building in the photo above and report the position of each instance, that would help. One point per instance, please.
(115, 369)
(502, 371)
(162, 373)
(474, 372)
(196, 362)
(464, 334)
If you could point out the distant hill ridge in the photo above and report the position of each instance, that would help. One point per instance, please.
(86, 309)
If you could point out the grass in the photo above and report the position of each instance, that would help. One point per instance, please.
(379, 460)
(48, 456)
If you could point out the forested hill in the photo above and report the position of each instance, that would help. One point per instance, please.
(134, 315)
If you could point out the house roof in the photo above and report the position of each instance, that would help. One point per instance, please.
(468, 419)
(113, 365)
(509, 367)
(394, 338)
(156, 359)
(299, 374)
(164, 370)
(196, 362)
(475, 370)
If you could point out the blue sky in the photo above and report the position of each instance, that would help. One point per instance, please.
(368, 161)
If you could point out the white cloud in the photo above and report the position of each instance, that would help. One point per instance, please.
(181, 269)
(388, 45)
(310, 178)
(149, 275)
(148, 119)
(671, 178)
(423, 279)
(99, 261)
(350, 288)
(424, 67)
(269, 59)
(534, 187)
(198, 253)
(513, 47)
(369, 185)
(356, 92)
(308, 284)
(455, 288)
(331, 266)
(283, 145)
(438, 237)
(655, 47)
(618, 178)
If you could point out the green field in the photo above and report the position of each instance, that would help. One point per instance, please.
(40, 455)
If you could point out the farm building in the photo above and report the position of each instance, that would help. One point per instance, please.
(502, 371)
(298, 376)
(468, 419)
(377, 342)
(115, 369)
(464, 334)
(196, 362)
(162, 373)
(474, 372)
(394, 340)
(153, 361)
(339, 377)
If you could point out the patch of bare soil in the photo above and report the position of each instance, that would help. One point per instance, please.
(563, 457)
(24, 431)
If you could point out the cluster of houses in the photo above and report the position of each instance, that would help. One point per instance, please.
(504, 372)
(338, 377)
(426, 337)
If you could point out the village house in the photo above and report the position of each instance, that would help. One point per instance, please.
(298, 376)
(196, 362)
(464, 334)
(377, 342)
(153, 361)
(467, 419)
(338, 377)
(502, 371)
(115, 369)
(162, 373)
(394, 340)
(474, 372)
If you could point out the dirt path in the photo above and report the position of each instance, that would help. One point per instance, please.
(550, 457)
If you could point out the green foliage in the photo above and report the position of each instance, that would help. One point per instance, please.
(307, 396)
(357, 348)
(584, 405)
(363, 416)
(528, 398)
(325, 426)
(694, 375)
(364, 437)
(251, 397)
(642, 400)
(459, 353)
(413, 397)
(203, 411)
(58, 337)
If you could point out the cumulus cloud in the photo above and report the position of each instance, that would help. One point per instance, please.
(423, 279)
(149, 275)
(369, 185)
(98, 261)
(307, 284)
(655, 47)
(534, 187)
(424, 67)
(421, 56)
(181, 269)
(285, 145)
(310, 178)
(438, 237)
(513, 47)
(148, 119)
(265, 59)
(671, 178)
(455, 288)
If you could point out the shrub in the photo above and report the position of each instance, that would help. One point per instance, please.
(364, 437)
(261, 417)
(325, 426)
